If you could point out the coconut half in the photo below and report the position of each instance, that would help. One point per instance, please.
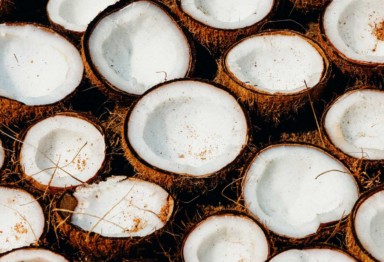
(136, 47)
(62, 151)
(226, 238)
(38, 66)
(294, 189)
(2, 155)
(32, 255)
(313, 254)
(353, 124)
(22, 219)
(74, 15)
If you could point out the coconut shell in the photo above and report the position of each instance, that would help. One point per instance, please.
(273, 107)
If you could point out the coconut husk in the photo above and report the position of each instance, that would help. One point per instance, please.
(309, 6)
(6, 7)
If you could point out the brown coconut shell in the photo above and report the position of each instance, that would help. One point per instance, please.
(273, 107)
(309, 6)
(214, 39)
(97, 79)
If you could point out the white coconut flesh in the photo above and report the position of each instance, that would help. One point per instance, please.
(75, 15)
(356, 29)
(293, 189)
(2, 155)
(354, 124)
(32, 255)
(226, 238)
(369, 225)
(276, 63)
(230, 14)
(21, 221)
(62, 151)
(138, 47)
(187, 127)
(314, 254)
(38, 66)
(121, 207)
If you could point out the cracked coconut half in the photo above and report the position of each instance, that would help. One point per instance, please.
(294, 189)
(322, 253)
(226, 238)
(135, 47)
(32, 255)
(62, 151)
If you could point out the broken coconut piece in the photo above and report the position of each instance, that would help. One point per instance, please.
(275, 71)
(136, 47)
(184, 129)
(365, 233)
(2, 155)
(321, 253)
(294, 189)
(62, 151)
(226, 237)
(32, 255)
(75, 15)
(22, 219)
(110, 216)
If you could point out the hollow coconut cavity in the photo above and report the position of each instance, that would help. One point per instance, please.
(313, 254)
(22, 220)
(62, 151)
(356, 30)
(37, 66)
(226, 237)
(32, 255)
(75, 15)
(353, 124)
(2, 155)
(137, 47)
(294, 189)
(187, 127)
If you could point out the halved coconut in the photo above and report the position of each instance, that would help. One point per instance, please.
(365, 232)
(109, 217)
(22, 219)
(226, 237)
(2, 155)
(276, 71)
(218, 24)
(74, 16)
(294, 189)
(62, 151)
(32, 255)
(321, 253)
(134, 47)
(184, 129)
(354, 30)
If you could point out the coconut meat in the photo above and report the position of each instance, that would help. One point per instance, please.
(121, 207)
(38, 66)
(276, 63)
(188, 127)
(32, 255)
(314, 254)
(62, 151)
(369, 225)
(22, 219)
(354, 124)
(226, 238)
(138, 47)
(2, 155)
(356, 29)
(229, 14)
(293, 189)
(75, 15)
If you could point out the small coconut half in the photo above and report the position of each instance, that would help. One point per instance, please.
(322, 253)
(2, 155)
(75, 15)
(226, 238)
(62, 151)
(135, 47)
(275, 71)
(294, 189)
(22, 219)
(32, 255)
(188, 128)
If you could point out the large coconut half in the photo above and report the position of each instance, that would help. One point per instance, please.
(135, 47)
(275, 71)
(294, 189)
(321, 253)
(187, 127)
(32, 255)
(62, 151)
(22, 220)
(226, 238)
